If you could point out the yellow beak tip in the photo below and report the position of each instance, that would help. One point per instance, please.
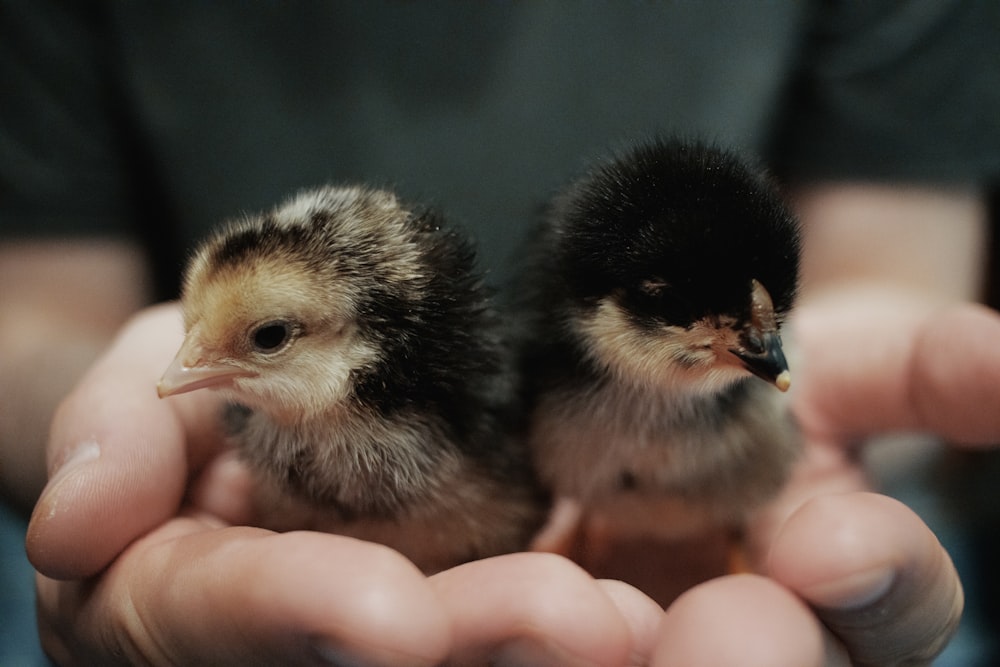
(783, 381)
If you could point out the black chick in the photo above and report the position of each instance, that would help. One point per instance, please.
(367, 386)
(652, 349)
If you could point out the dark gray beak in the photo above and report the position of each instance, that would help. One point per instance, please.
(760, 346)
(764, 358)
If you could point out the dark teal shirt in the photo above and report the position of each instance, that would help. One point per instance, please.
(159, 119)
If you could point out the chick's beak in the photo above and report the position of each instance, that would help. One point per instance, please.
(193, 369)
(760, 351)
(769, 363)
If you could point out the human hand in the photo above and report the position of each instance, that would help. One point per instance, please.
(874, 361)
(141, 558)
(869, 361)
(312, 591)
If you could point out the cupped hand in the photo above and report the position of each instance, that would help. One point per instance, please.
(141, 557)
(842, 575)
(140, 560)
(875, 360)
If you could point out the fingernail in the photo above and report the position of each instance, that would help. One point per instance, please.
(858, 590)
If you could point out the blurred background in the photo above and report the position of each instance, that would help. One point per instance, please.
(141, 125)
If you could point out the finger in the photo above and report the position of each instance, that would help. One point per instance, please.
(876, 575)
(852, 351)
(531, 609)
(641, 614)
(876, 360)
(186, 595)
(743, 620)
(956, 375)
(824, 468)
(119, 456)
(225, 488)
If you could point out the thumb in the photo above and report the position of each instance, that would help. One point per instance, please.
(875, 574)
(117, 454)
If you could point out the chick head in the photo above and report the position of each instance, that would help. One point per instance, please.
(678, 261)
(275, 305)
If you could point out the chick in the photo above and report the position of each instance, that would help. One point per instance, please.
(652, 356)
(367, 387)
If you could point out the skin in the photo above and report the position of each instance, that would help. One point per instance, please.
(61, 303)
(932, 241)
(121, 559)
(311, 588)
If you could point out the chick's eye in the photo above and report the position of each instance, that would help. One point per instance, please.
(271, 337)
(653, 287)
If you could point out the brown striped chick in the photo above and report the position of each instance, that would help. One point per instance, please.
(366, 386)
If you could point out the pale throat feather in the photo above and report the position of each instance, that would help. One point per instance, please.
(692, 360)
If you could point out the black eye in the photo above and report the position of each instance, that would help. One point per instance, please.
(655, 301)
(653, 286)
(272, 336)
